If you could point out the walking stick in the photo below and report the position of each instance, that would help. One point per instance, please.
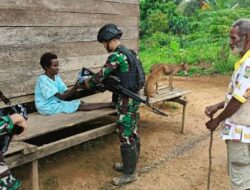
(210, 159)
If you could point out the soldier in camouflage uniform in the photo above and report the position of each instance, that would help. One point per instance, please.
(7, 181)
(127, 108)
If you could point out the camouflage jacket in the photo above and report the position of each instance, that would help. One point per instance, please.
(116, 62)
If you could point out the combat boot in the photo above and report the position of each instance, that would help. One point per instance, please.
(129, 159)
(119, 166)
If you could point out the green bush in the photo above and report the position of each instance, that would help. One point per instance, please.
(157, 22)
(200, 38)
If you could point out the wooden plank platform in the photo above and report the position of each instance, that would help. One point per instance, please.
(165, 94)
(40, 124)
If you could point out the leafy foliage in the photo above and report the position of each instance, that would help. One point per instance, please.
(157, 22)
(196, 36)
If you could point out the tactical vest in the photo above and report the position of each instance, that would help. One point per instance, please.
(134, 79)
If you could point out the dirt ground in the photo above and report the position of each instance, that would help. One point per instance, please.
(169, 160)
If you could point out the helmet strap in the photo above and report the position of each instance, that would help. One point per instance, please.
(108, 47)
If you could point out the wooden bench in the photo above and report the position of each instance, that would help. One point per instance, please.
(26, 149)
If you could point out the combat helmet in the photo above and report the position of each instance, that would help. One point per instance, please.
(109, 32)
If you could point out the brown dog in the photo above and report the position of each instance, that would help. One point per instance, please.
(151, 85)
(170, 70)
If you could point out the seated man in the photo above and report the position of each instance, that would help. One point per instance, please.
(51, 92)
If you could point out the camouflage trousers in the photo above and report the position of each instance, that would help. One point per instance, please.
(127, 120)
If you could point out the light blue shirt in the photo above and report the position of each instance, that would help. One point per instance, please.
(45, 100)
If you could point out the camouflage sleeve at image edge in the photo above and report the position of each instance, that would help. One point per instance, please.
(6, 124)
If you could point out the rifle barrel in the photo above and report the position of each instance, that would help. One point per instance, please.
(139, 99)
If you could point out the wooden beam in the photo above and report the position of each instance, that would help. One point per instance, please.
(17, 55)
(15, 17)
(26, 70)
(183, 102)
(27, 92)
(20, 147)
(25, 85)
(34, 175)
(19, 100)
(52, 148)
(124, 1)
(46, 35)
(82, 6)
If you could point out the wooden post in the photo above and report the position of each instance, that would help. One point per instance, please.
(183, 102)
(34, 175)
(183, 118)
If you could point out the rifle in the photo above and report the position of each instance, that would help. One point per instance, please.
(113, 84)
(6, 137)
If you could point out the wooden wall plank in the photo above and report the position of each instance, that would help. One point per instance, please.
(10, 55)
(15, 17)
(87, 6)
(30, 97)
(25, 62)
(124, 1)
(26, 70)
(25, 85)
(45, 35)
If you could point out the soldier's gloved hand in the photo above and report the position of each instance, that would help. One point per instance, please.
(78, 85)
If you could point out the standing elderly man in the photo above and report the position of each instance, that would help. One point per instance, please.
(235, 116)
